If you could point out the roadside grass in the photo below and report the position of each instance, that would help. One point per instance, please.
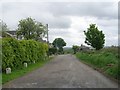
(23, 71)
(0, 79)
(105, 60)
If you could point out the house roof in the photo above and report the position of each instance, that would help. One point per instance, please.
(11, 32)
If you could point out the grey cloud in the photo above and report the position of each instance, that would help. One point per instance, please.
(107, 22)
(111, 41)
(57, 13)
(59, 32)
(58, 22)
(95, 9)
(38, 11)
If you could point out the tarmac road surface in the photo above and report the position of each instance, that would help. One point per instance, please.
(65, 71)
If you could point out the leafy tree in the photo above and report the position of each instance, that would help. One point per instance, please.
(94, 37)
(75, 48)
(60, 51)
(59, 43)
(3, 26)
(3, 29)
(40, 30)
(30, 29)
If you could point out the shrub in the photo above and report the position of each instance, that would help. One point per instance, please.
(16, 52)
(52, 50)
(7, 54)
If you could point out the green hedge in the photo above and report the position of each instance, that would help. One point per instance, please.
(16, 52)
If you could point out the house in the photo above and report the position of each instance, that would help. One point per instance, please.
(5, 34)
(12, 33)
(84, 48)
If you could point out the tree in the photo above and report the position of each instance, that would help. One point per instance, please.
(3, 29)
(59, 43)
(30, 29)
(40, 30)
(94, 37)
(75, 48)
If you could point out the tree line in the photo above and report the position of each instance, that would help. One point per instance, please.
(31, 29)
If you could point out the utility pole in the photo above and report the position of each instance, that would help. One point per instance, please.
(47, 34)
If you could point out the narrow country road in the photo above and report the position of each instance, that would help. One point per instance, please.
(65, 71)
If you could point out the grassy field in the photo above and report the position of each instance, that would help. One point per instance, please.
(68, 50)
(18, 73)
(105, 60)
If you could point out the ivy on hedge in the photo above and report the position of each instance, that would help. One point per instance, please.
(16, 52)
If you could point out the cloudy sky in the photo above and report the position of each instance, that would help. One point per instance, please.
(66, 19)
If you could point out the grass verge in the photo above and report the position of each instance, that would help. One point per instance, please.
(0, 79)
(18, 73)
(105, 61)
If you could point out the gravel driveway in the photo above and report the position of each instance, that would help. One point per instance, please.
(65, 71)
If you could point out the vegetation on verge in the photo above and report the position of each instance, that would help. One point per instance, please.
(27, 49)
(105, 60)
(52, 50)
(0, 79)
(16, 52)
(75, 48)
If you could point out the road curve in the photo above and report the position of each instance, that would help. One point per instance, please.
(65, 71)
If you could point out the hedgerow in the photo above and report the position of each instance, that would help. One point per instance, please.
(16, 52)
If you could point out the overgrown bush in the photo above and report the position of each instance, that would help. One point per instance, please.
(16, 52)
(52, 50)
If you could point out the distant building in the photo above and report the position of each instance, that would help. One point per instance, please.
(12, 33)
(84, 48)
(5, 34)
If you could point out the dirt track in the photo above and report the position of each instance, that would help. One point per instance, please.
(65, 71)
